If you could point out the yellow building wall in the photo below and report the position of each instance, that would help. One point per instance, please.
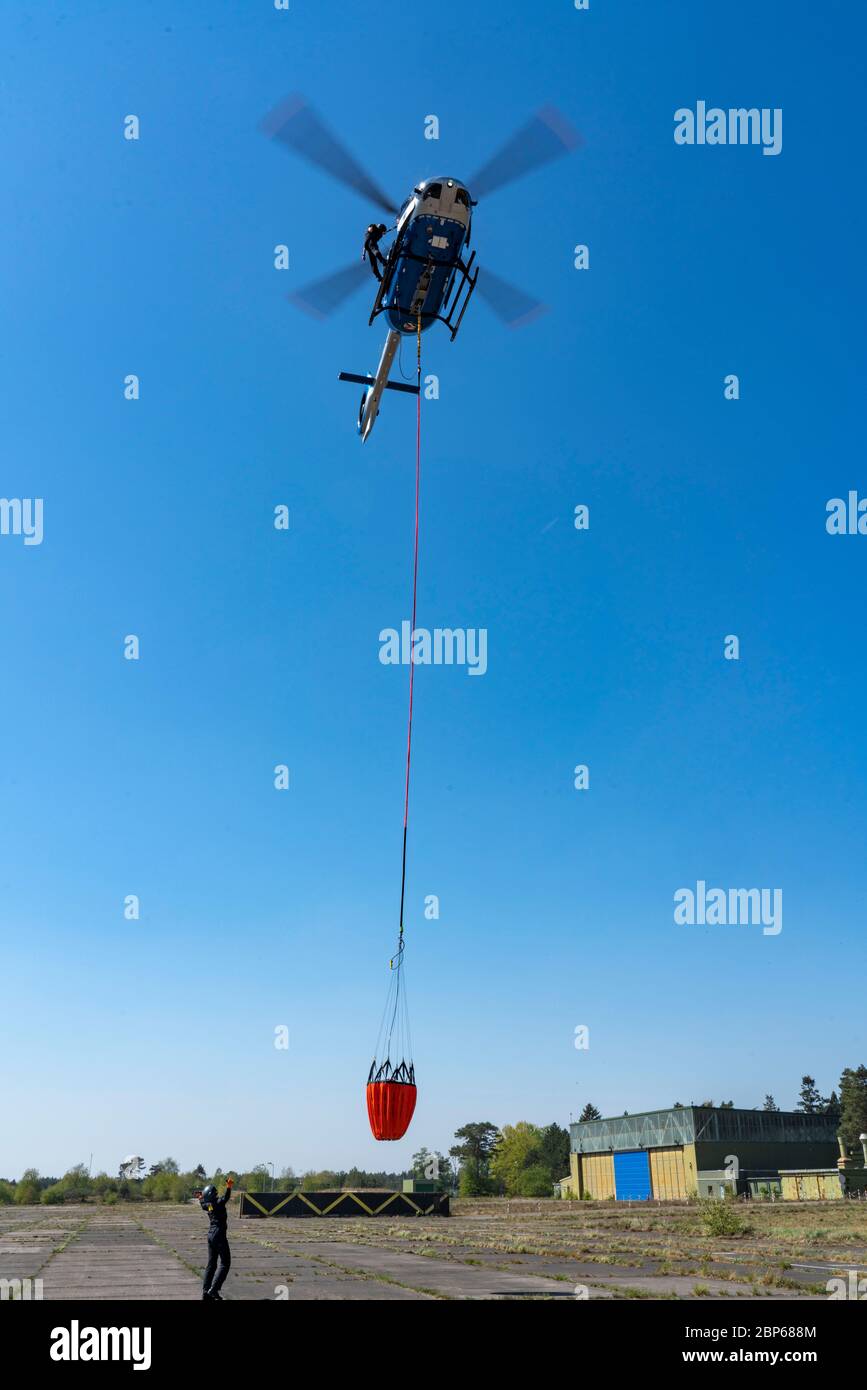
(571, 1186)
(672, 1174)
(690, 1170)
(597, 1175)
(667, 1174)
(811, 1187)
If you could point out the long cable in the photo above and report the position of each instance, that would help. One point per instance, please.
(412, 628)
(400, 943)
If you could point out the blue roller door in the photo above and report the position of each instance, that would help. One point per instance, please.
(632, 1176)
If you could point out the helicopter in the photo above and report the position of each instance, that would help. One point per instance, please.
(425, 276)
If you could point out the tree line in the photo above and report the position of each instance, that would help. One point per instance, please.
(165, 1182)
(519, 1160)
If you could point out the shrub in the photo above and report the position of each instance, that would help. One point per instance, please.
(27, 1190)
(103, 1184)
(471, 1183)
(721, 1219)
(534, 1181)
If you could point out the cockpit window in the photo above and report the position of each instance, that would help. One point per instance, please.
(433, 190)
(462, 197)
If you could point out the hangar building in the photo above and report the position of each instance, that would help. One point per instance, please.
(695, 1150)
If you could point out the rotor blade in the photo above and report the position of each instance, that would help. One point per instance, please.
(546, 136)
(321, 297)
(296, 125)
(510, 305)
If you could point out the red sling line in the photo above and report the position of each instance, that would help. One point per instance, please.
(412, 632)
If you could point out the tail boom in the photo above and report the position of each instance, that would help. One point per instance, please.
(377, 384)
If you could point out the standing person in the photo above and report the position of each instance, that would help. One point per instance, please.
(218, 1241)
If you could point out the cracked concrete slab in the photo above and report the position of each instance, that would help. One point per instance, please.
(493, 1250)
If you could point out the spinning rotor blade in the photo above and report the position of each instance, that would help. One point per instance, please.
(296, 125)
(546, 136)
(510, 305)
(321, 297)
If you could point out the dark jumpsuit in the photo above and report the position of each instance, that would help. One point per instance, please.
(218, 1243)
(371, 252)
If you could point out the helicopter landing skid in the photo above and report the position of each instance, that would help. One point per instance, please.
(459, 290)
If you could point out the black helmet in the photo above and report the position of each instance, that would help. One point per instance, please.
(209, 1194)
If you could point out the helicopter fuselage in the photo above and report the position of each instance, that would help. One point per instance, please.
(432, 230)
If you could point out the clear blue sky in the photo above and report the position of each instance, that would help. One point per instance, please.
(262, 908)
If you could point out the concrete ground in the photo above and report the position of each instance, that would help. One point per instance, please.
(487, 1250)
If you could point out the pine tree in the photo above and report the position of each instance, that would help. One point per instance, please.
(590, 1113)
(554, 1150)
(853, 1106)
(811, 1101)
(770, 1103)
(474, 1155)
